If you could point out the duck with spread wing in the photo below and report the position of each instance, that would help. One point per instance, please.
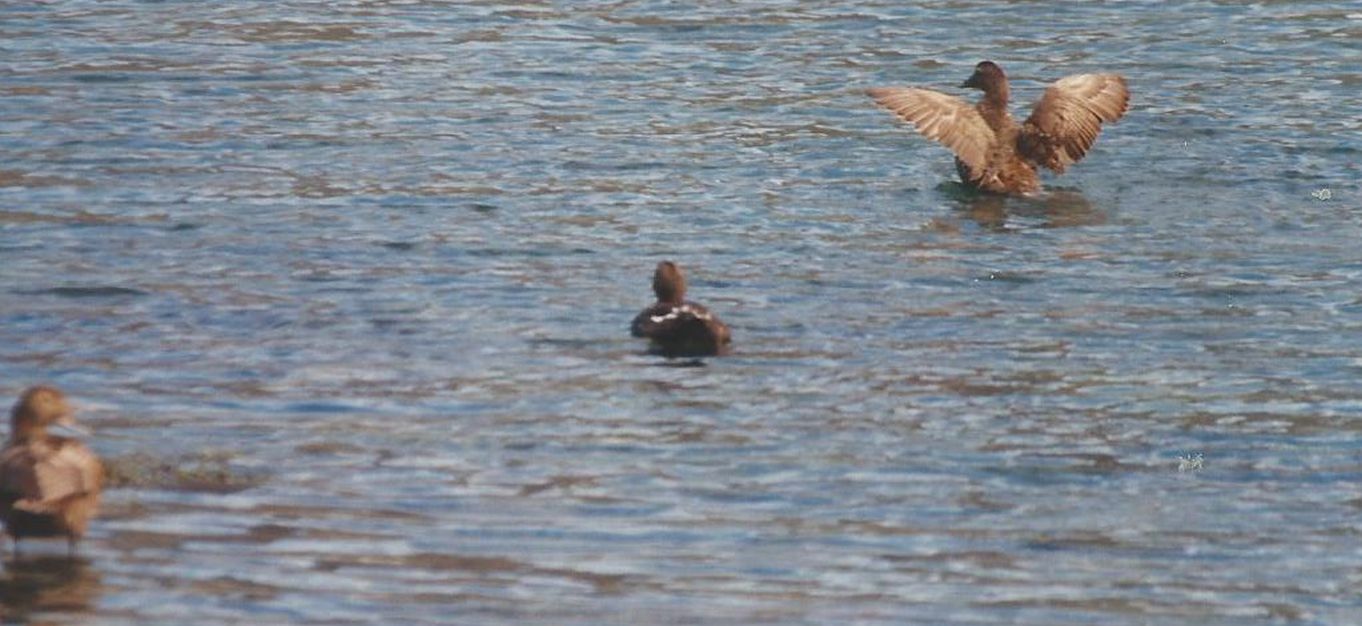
(994, 153)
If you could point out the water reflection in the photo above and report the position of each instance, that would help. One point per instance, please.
(1053, 208)
(41, 584)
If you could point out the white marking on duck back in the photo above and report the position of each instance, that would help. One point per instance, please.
(677, 312)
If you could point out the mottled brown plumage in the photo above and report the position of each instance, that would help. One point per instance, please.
(675, 327)
(993, 152)
(49, 485)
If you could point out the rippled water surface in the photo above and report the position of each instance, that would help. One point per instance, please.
(343, 289)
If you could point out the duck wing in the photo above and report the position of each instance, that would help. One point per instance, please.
(948, 120)
(39, 475)
(17, 478)
(662, 320)
(646, 323)
(1065, 122)
(688, 329)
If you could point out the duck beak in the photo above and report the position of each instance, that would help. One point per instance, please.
(69, 422)
(972, 81)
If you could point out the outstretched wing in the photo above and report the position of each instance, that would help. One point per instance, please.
(1066, 121)
(941, 118)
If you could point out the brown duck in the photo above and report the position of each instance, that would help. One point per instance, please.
(675, 327)
(992, 152)
(49, 485)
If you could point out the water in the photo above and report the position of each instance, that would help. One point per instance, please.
(343, 289)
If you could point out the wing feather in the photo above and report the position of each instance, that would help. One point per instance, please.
(948, 120)
(1066, 121)
(71, 470)
(47, 473)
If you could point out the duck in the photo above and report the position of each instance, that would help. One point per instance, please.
(49, 485)
(675, 327)
(993, 153)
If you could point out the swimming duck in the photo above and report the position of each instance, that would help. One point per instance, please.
(675, 327)
(992, 152)
(49, 485)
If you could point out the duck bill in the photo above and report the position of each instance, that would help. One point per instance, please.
(69, 422)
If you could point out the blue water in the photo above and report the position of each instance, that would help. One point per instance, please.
(375, 261)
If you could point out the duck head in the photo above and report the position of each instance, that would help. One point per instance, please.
(987, 76)
(669, 283)
(39, 407)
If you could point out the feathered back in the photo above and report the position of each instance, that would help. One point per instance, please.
(49, 470)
